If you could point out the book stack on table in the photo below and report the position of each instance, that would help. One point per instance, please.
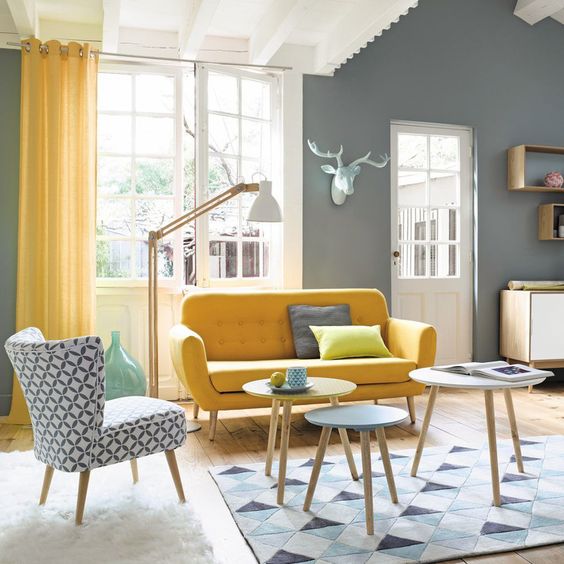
(496, 370)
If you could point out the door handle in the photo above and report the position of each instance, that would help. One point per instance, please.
(396, 254)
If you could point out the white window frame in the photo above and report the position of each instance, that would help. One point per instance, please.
(276, 267)
(177, 72)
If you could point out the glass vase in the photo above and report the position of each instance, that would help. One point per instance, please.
(124, 375)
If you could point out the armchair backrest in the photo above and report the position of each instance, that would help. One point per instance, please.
(63, 386)
(255, 325)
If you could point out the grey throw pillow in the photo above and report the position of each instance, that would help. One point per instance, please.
(302, 316)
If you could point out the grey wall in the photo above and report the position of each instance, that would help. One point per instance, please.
(9, 175)
(448, 61)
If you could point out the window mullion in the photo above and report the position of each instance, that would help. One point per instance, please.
(133, 204)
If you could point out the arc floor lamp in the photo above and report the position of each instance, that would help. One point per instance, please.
(265, 209)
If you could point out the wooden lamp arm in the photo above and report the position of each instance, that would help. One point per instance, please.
(154, 238)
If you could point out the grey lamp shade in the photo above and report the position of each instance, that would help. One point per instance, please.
(265, 208)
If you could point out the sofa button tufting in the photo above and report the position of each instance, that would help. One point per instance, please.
(221, 341)
(240, 323)
(219, 323)
(283, 339)
(243, 341)
(281, 322)
(263, 340)
(261, 322)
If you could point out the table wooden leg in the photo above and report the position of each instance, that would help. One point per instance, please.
(272, 437)
(492, 443)
(319, 456)
(284, 440)
(346, 446)
(367, 480)
(514, 431)
(385, 455)
(424, 427)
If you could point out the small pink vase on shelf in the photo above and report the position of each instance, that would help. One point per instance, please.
(553, 179)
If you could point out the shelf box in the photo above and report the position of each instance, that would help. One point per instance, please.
(548, 221)
(516, 157)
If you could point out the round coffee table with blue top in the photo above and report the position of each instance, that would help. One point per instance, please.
(362, 418)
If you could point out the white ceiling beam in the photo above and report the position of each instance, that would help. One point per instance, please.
(369, 18)
(275, 27)
(198, 20)
(24, 14)
(533, 11)
(110, 28)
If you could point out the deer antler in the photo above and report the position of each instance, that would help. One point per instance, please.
(327, 155)
(365, 160)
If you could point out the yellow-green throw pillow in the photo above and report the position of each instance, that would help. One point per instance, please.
(349, 341)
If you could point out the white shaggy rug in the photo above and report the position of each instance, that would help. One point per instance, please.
(123, 523)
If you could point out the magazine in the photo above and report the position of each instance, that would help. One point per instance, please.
(497, 369)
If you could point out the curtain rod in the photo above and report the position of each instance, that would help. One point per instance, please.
(168, 59)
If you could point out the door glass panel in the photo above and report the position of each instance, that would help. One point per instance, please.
(154, 136)
(256, 99)
(443, 261)
(223, 259)
(412, 151)
(412, 224)
(154, 93)
(443, 224)
(412, 188)
(444, 188)
(113, 259)
(154, 176)
(222, 93)
(114, 92)
(113, 217)
(224, 134)
(165, 258)
(251, 259)
(224, 220)
(114, 175)
(412, 260)
(152, 214)
(445, 152)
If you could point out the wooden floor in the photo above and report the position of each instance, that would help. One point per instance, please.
(242, 437)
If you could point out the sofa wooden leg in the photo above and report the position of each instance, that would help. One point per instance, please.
(195, 411)
(411, 408)
(375, 402)
(213, 424)
(134, 470)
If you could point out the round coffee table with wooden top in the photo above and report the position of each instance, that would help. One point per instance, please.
(364, 419)
(438, 379)
(322, 389)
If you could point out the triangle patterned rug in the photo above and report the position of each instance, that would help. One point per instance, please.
(444, 513)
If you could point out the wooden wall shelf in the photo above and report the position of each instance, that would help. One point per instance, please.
(548, 221)
(516, 157)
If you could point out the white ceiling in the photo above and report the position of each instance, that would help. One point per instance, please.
(315, 36)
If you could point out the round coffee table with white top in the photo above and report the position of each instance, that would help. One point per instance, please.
(322, 389)
(438, 379)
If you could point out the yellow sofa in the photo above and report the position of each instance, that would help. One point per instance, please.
(225, 339)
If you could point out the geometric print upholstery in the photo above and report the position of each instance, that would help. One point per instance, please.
(137, 426)
(74, 428)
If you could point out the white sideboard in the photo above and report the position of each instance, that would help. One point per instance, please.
(532, 327)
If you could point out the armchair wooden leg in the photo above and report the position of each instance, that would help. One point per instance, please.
(134, 470)
(195, 411)
(81, 500)
(46, 484)
(411, 408)
(173, 466)
(213, 424)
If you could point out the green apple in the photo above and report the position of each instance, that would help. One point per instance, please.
(277, 379)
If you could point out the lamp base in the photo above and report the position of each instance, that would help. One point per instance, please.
(192, 427)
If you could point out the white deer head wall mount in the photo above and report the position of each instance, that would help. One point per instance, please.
(344, 175)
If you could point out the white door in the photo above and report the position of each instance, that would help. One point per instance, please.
(432, 232)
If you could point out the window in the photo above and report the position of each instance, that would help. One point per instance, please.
(428, 200)
(238, 114)
(147, 145)
(139, 155)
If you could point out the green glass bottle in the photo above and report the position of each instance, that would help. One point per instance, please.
(124, 375)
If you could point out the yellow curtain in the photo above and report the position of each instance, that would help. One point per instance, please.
(57, 207)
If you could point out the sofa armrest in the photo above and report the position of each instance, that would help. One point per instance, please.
(412, 340)
(191, 364)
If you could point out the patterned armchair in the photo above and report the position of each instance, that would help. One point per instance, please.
(74, 428)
